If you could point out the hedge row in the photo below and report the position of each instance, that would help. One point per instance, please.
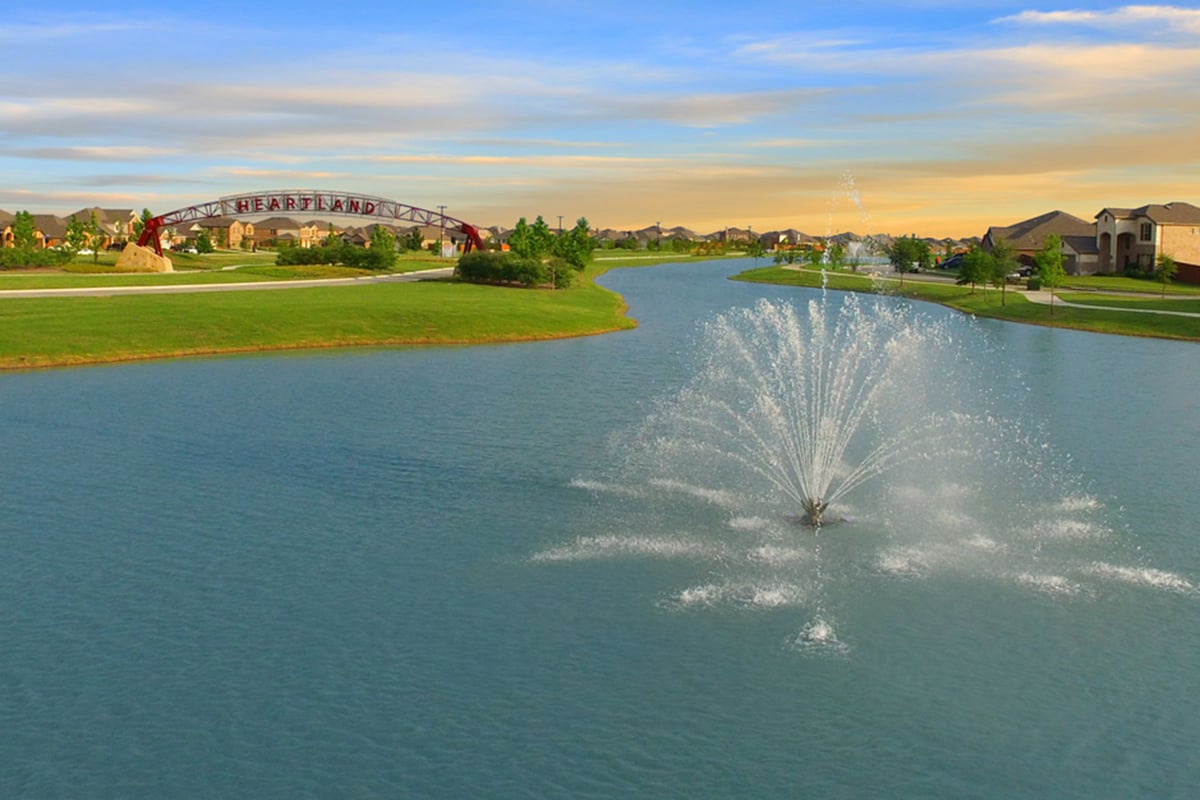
(507, 268)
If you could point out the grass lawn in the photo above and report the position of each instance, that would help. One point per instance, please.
(1120, 283)
(986, 303)
(1149, 301)
(36, 332)
(221, 267)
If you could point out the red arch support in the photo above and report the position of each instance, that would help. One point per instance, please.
(309, 202)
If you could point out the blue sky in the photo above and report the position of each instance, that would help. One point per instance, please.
(932, 117)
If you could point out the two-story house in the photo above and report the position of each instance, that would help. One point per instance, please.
(1136, 237)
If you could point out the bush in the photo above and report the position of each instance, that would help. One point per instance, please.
(11, 257)
(489, 267)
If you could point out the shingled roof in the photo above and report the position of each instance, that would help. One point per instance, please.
(1174, 213)
(1031, 234)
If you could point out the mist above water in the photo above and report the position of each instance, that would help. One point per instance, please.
(888, 417)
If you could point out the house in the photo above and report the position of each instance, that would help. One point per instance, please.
(1029, 236)
(6, 234)
(1134, 238)
(279, 231)
(228, 232)
(115, 224)
(50, 230)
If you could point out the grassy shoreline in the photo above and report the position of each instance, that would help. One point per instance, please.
(76, 331)
(987, 303)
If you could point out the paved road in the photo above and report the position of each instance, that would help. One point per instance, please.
(109, 291)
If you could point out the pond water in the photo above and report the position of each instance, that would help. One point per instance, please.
(468, 572)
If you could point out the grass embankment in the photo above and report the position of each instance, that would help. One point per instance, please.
(39, 332)
(986, 303)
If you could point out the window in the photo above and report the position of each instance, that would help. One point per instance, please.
(1147, 232)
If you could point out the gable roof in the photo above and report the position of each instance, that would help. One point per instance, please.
(1031, 234)
(51, 227)
(1174, 213)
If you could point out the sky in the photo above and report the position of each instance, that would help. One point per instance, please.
(920, 116)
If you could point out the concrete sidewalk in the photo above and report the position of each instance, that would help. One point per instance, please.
(1044, 298)
(250, 286)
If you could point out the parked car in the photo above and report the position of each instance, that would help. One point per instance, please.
(953, 262)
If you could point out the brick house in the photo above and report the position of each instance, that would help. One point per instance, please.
(1029, 236)
(1136, 237)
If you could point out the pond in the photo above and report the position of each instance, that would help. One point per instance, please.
(452, 572)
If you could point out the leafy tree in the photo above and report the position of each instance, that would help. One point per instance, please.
(837, 255)
(1049, 261)
(908, 254)
(543, 238)
(976, 267)
(415, 239)
(755, 249)
(204, 242)
(382, 254)
(520, 241)
(139, 225)
(24, 233)
(1004, 262)
(1167, 268)
(95, 236)
(76, 236)
(576, 245)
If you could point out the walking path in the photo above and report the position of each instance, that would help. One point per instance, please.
(109, 291)
(1044, 298)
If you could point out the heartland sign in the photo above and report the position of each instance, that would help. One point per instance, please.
(318, 202)
(307, 202)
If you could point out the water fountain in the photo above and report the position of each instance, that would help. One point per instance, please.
(804, 406)
(860, 409)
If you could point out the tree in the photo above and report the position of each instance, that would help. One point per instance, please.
(576, 245)
(520, 241)
(1049, 260)
(382, 254)
(415, 239)
(24, 233)
(76, 236)
(543, 238)
(1004, 262)
(204, 242)
(976, 267)
(139, 225)
(1166, 270)
(95, 236)
(837, 255)
(908, 254)
(755, 249)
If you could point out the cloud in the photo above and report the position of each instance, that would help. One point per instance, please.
(94, 153)
(1144, 17)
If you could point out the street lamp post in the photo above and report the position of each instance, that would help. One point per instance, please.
(441, 230)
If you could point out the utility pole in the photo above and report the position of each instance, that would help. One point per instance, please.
(442, 229)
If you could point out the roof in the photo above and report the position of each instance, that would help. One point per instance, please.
(1031, 234)
(1174, 213)
(278, 223)
(5, 217)
(1082, 245)
(51, 226)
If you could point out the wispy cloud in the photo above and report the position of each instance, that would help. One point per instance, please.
(1144, 18)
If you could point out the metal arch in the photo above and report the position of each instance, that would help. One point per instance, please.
(307, 201)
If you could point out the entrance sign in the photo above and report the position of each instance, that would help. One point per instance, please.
(308, 202)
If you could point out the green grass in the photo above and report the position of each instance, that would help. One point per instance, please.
(986, 303)
(1120, 283)
(1172, 303)
(37, 332)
